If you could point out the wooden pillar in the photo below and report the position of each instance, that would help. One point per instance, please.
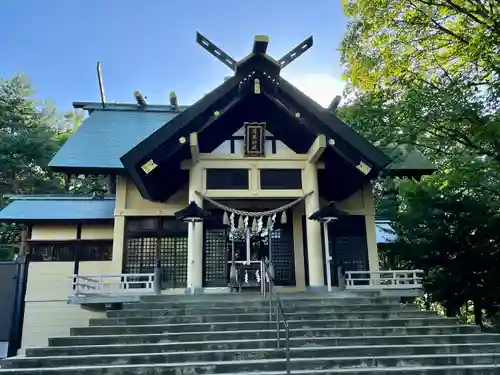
(313, 228)
(298, 249)
(371, 236)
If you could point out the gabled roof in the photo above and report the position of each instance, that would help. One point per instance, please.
(106, 134)
(24, 209)
(409, 163)
(297, 121)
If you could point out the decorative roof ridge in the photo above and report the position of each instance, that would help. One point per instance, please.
(91, 106)
(52, 197)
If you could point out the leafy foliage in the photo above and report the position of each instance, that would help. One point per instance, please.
(394, 42)
(30, 134)
(27, 141)
(424, 74)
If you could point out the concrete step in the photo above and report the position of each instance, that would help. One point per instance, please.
(160, 369)
(210, 297)
(254, 309)
(259, 317)
(246, 354)
(451, 341)
(305, 301)
(258, 334)
(238, 366)
(266, 324)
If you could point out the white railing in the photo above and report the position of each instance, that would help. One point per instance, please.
(82, 285)
(380, 280)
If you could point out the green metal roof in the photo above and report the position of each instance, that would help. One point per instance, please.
(105, 136)
(57, 208)
(408, 161)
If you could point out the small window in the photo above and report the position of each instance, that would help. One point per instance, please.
(64, 251)
(275, 179)
(142, 224)
(170, 223)
(95, 250)
(53, 252)
(227, 179)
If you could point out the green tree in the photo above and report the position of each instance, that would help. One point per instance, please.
(27, 143)
(424, 74)
(393, 42)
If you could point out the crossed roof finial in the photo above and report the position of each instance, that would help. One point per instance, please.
(259, 47)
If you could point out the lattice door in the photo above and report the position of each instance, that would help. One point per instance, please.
(282, 255)
(348, 237)
(173, 256)
(140, 255)
(215, 258)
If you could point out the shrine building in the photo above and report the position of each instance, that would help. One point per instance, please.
(255, 154)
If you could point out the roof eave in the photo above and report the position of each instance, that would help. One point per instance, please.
(76, 170)
(56, 221)
(374, 156)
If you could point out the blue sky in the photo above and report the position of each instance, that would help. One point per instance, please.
(150, 45)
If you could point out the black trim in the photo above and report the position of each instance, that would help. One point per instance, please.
(112, 181)
(79, 231)
(76, 170)
(280, 179)
(230, 179)
(78, 249)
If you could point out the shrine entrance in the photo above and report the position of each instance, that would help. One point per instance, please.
(250, 248)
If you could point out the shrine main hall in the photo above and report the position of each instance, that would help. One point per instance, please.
(256, 156)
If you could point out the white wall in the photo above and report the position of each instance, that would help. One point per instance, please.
(47, 313)
(239, 146)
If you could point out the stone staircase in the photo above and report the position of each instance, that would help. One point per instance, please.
(340, 333)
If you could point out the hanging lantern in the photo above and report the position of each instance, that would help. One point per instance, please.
(283, 217)
(225, 218)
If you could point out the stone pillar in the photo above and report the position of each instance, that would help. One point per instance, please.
(313, 228)
(195, 235)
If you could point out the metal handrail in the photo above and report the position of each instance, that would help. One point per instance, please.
(280, 313)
